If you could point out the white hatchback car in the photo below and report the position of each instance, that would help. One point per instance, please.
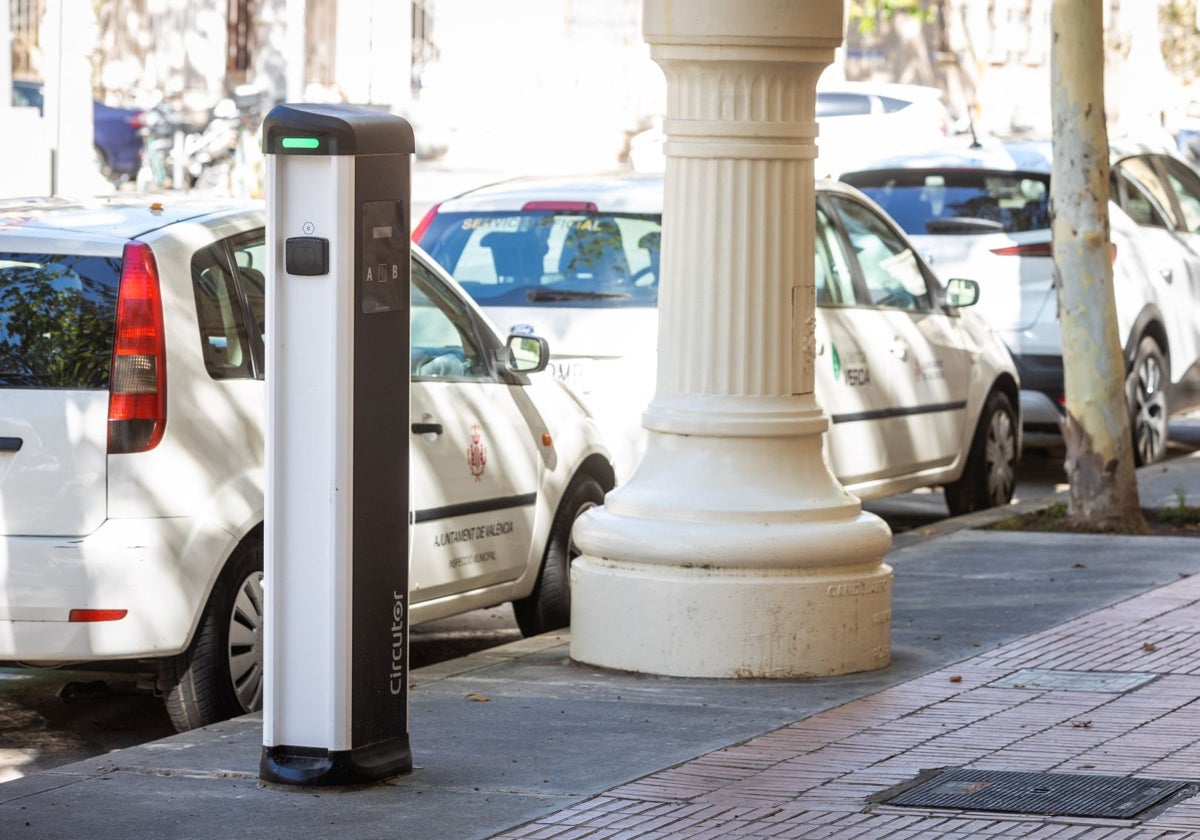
(132, 422)
(986, 210)
(851, 119)
(918, 390)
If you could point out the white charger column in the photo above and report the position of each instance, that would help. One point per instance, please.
(733, 551)
(335, 700)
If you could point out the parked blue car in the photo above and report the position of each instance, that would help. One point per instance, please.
(116, 136)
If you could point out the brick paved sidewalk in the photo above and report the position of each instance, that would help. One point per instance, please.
(1114, 694)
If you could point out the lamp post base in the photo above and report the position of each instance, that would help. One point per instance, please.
(746, 623)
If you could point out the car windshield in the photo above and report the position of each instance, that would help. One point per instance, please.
(57, 316)
(959, 201)
(550, 257)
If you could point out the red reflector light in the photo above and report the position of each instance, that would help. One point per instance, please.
(562, 206)
(97, 615)
(137, 388)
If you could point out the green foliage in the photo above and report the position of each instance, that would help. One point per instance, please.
(1180, 41)
(1045, 519)
(1177, 520)
(54, 337)
(1182, 513)
(867, 14)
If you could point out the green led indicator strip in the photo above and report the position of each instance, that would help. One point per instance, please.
(300, 142)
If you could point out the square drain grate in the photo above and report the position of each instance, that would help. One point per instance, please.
(1115, 682)
(1050, 794)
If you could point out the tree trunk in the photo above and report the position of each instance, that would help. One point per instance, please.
(1099, 464)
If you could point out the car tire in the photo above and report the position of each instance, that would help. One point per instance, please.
(548, 607)
(989, 477)
(220, 675)
(1146, 393)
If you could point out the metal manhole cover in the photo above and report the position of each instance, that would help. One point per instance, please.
(1114, 682)
(1051, 794)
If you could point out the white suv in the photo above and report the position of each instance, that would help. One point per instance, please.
(132, 410)
(986, 210)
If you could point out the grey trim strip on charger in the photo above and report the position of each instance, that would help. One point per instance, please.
(11, 444)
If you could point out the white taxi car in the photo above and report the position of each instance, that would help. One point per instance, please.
(919, 391)
(132, 422)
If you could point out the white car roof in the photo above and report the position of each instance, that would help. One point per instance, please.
(1024, 155)
(613, 192)
(616, 192)
(117, 218)
(913, 93)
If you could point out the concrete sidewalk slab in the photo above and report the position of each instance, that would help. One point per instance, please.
(520, 742)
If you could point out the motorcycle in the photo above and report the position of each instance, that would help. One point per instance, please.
(182, 157)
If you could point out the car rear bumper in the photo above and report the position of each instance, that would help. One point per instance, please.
(133, 566)
(1041, 420)
(1041, 398)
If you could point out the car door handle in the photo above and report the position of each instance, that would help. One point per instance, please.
(427, 428)
(10, 444)
(1167, 274)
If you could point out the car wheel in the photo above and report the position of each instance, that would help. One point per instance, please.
(1145, 391)
(989, 476)
(220, 675)
(548, 607)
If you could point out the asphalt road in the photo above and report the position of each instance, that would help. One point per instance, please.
(50, 718)
(53, 717)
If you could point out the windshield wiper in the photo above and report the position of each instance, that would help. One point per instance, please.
(962, 223)
(537, 295)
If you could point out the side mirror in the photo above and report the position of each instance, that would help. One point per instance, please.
(527, 353)
(960, 292)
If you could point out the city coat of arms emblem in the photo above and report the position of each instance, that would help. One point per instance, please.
(477, 453)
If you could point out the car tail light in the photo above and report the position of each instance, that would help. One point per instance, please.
(1039, 249)
(423, 225)
(137, 389)
(562, 206)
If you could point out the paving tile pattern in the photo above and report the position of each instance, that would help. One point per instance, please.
(822, 777)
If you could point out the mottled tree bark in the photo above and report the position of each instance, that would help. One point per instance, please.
(1099, 463)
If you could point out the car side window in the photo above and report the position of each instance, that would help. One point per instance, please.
(836, 104)
(1185, 183)
(890, 269)
(250, 257)
(444, 343)
(1141, 194)
(834, 277)
(221, 313)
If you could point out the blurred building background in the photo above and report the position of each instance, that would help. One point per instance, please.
(566, 83)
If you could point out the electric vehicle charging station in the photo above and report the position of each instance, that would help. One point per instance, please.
(335, 704)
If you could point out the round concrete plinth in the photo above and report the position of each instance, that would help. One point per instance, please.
(732, 623)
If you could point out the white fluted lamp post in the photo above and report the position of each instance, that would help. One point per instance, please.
(732, 551)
